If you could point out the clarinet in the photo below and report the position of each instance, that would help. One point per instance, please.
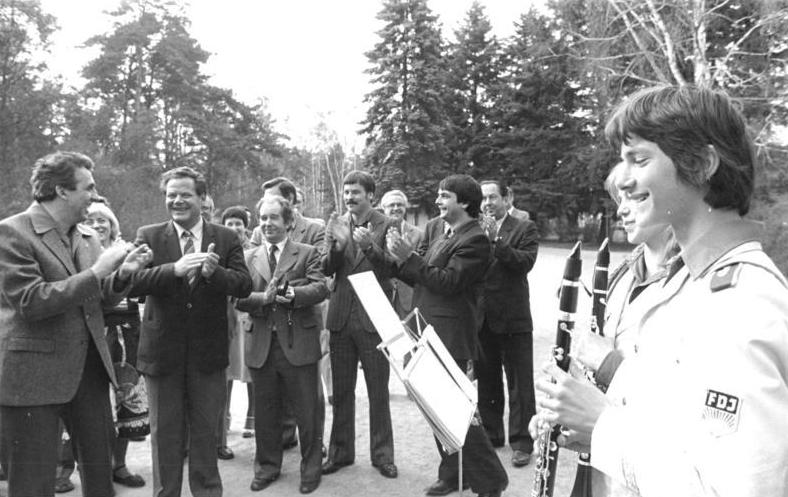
(582, 487)
(546, 443)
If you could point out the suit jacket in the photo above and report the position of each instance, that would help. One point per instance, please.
(50, 308)
(402, 293)
(520, 215)
(303, 231)
(180, 319)
(351, 260)
(506, 297)
(297, 325)
(447, 281)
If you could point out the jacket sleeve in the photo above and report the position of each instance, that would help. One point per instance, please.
(466, 264)
(232, 279)
(726, 443)
(314, 289)
(520, 254)
(159, 280)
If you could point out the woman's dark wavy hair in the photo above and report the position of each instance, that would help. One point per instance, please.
(683, 121)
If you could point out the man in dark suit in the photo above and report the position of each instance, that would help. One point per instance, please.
(395, 205)
(447, 278)
(301, 230)
(183, 348)
(506, 336)
(284, 347)
(54, 360)
(355, 244)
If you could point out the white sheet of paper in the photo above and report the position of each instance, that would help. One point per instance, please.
(379, 310)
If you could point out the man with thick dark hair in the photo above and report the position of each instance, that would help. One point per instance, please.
(54, 360)
(506, 335)
(355, 243)
(447, 280)
(184, 348)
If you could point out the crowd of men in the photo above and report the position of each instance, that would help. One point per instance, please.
(194, 277)
(672, 404)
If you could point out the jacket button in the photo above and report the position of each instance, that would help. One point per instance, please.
(189, 305)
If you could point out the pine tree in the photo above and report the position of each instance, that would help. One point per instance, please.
(406, 120)
(474, 61)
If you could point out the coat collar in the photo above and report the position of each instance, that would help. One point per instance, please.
(287, 259)
(44, 224)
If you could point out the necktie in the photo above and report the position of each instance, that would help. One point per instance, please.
(188, 248)
(272, 258)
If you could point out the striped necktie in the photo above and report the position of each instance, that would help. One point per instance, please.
(188, 248)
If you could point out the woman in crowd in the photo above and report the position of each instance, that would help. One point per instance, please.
(123, 331)
(237, 218)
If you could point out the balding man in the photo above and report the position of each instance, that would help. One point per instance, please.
(395, 205)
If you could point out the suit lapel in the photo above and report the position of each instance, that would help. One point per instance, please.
(171, 244)
(81, 248)
(506, 227)
(299, 227)
(52, 240)
(260, 264)
(286, 260)
(208, 236)
(45, 226)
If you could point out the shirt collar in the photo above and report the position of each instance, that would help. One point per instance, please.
(712, 245)
(279, 246)
(196, 230)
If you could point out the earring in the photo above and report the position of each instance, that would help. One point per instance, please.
(709, 209)
(670, 213)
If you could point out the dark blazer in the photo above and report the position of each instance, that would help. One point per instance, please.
(349, 261)
(297, 326)
(506, 298)
(49, 308)
(177, 318)
(447, 281)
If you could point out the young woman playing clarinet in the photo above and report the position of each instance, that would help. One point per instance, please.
(704, 393)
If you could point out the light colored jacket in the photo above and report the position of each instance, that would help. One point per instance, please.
(702, 403)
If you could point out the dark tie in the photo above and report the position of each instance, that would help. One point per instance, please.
(272, 258)
(188, 248)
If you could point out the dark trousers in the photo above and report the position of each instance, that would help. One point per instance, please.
(348, 346)
(185, 407)
(514, 352)
(481, 467)
(289, 418)
(298, 384)
(31, 437)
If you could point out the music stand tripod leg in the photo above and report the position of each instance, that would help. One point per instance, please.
(459, 483)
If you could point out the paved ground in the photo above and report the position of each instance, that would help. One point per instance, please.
(415, 452)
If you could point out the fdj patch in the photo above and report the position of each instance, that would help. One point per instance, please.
(721, 412)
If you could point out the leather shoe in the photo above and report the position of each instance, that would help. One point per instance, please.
(494, 493)
(262, 482)
(520, 458)
(307, 487)
(443, 487)
(497, 443)
(224, 453)
(387, 469)
(332, 467)
(289, 444)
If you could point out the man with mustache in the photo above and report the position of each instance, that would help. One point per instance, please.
(355, 244)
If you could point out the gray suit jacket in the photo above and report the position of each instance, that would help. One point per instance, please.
(297, 325)
(50, 307)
